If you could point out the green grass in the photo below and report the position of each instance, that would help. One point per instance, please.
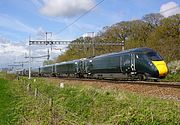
(77, 104)
(173, 77)
(7, 104)
(81, 104)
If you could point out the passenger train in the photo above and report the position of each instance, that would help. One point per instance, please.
(134, 64)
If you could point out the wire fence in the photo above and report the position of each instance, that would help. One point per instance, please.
(51, 112)
(45, 104)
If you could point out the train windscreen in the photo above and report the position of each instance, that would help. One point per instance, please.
(154, 56)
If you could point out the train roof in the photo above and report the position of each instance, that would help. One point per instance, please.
(68, 62)
(46, 66)
(143, 50)
(136, 50)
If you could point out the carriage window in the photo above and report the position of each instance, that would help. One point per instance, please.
(154, 56)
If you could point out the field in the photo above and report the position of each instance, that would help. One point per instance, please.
(43, 101)
(7, 102)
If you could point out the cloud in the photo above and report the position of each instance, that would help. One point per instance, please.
(65, 8)
(9, 52)
(169, 9)
(14, 24)
(12, 49)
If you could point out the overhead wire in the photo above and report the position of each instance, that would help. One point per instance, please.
(85, 13)
(82, 15)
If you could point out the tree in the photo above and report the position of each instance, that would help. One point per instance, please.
(153, 19)
(166, 38)
(153, 31)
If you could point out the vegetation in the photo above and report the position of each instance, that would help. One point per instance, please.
(174, 67)
(7, 101)
(174, 71)
(153, 31)
(48, 62)
(80, 104)
(174, 77)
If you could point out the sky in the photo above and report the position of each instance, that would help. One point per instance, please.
(20, 19)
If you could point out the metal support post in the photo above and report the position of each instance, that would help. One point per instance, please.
(29, 60)
(47, 41)
(85, 50)
(48, 55)
(93, 40)
(122, 45)
(93, 48)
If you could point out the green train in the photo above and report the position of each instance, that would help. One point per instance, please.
(138, 63)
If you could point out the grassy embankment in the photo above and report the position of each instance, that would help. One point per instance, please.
(80, 104)
(7, 101)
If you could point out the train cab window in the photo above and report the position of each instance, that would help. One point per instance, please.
(154, 56)
(126, 59)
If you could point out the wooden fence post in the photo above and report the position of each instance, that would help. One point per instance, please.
(29, 87)
(50, 103)
(51, 109)
(36, 92)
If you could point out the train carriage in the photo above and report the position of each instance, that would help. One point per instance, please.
(35, 71)
(70, 68)
(47, 70)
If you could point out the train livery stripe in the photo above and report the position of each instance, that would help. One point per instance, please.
(161, 67)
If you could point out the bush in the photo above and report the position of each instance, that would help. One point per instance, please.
(174, 66)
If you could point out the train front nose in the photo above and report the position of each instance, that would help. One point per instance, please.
(161, 67)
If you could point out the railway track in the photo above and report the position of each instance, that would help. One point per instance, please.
(148, 83)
